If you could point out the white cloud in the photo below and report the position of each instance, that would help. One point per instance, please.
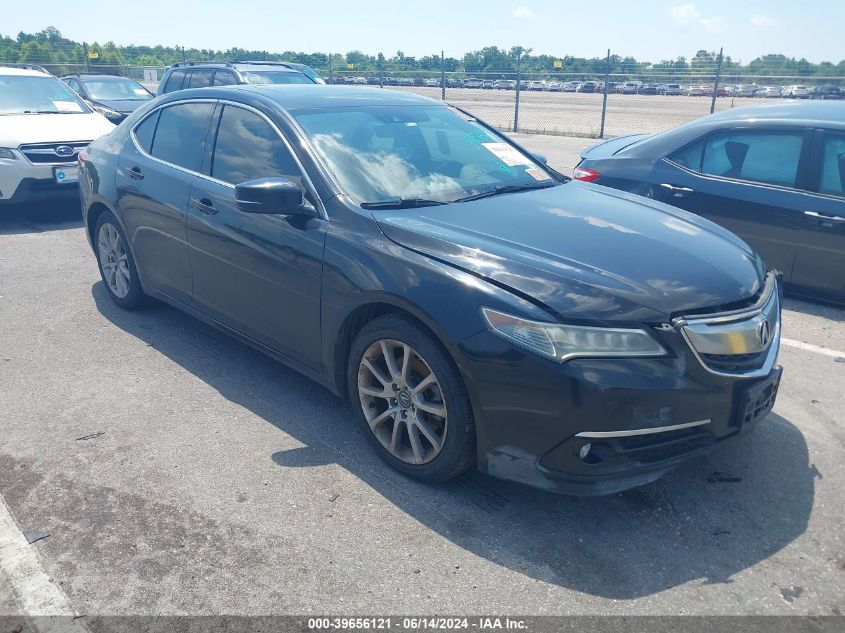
(764, 21)
(523, 12)
(687, 14)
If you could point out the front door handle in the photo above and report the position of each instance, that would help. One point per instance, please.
(205, 205)
(135, 173)
(676, 190)
(833, 219)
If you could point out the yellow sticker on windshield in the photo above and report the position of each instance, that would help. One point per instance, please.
(508, 155)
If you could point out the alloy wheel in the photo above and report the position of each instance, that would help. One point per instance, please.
(113, 260)
(402, 401)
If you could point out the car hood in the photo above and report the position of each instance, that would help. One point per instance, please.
(586, 252)
(17, 129)
(124, 106)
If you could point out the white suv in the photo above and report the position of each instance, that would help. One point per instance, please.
(43, 126)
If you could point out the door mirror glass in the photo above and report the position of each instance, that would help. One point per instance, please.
(280, 196)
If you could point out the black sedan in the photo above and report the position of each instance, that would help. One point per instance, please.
(474, 306)
(772, 174)
(112, 96)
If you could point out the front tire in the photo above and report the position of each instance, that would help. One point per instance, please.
(410, 400)
(117, 266)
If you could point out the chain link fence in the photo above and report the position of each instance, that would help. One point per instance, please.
(596, 104)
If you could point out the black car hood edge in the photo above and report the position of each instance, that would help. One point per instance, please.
(585, 252)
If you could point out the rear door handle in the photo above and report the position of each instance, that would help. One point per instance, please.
(135, 173)
(205, 205)
(676, 191)
(833, 219)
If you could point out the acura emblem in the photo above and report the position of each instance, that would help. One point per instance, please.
(64, 150)
(764, 333)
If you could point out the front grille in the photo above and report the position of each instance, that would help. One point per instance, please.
(46, 154)
(740, 342)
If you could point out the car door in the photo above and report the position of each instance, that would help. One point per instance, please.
(747, 180)
(820, 262)
(154, 176)
(258, 274)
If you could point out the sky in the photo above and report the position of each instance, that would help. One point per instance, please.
(650, 30)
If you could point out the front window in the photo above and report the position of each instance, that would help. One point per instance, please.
(120, 89)
(431, 154)
(276, 77)
(21, 94)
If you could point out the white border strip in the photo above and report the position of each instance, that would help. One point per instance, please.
(808, 347)
(36, 594)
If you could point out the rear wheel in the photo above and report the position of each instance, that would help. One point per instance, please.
(410, 400)
(117, 267)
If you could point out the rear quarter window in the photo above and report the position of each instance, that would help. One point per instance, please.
(145, 131)
(174, 81)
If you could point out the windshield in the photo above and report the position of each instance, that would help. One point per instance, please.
(435, 153)
(21, 94)
(121, 89)
(276, 77)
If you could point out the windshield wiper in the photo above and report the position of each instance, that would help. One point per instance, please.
(495, 191)
(45, 112)
(401, 203)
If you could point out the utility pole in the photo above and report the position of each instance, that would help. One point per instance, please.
(716, 81)
(442, 76)
(87, 59)
(518, 84)
(604, 96)
(331, 81)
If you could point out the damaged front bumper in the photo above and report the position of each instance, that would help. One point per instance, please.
(597, 426)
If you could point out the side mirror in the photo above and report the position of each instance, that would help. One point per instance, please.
(272, 196)
(540, 157)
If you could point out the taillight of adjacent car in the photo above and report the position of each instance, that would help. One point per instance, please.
(81, 157)
(584, 174)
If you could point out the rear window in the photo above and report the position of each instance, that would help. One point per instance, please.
(180, 134)
(765, 157)
(145, 131)
(276, 77)
(174, 81)
(225, 78)
(833, 165)
(201, 78)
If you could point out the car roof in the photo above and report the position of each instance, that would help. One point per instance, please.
(292, 97)
(23, 72)
(284, 67)
(802, 114)
(97, 76)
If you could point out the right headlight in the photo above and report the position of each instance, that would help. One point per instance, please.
(7, 153)
(561, 342)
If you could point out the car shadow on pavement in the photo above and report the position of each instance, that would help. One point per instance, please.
(37, 218)
(707, 520)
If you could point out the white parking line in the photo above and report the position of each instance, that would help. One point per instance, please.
(35, 592)
(812, 348)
